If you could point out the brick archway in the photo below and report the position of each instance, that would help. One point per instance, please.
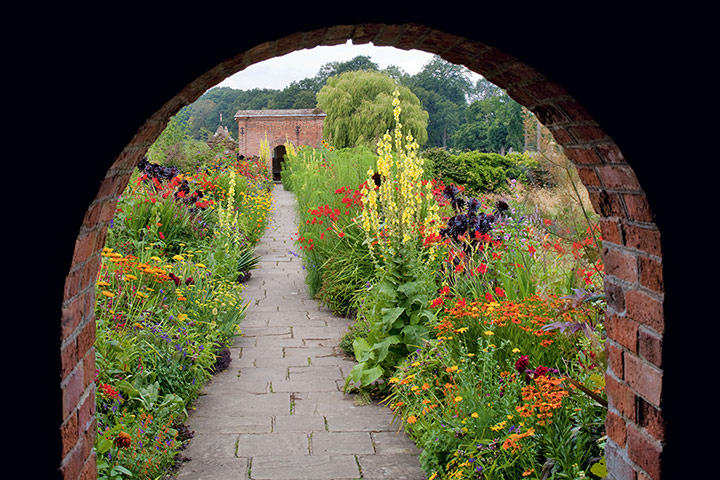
(633, 251)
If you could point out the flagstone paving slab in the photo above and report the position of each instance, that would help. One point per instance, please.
(279, 411)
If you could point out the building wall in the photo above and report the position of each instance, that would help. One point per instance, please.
(299, 130)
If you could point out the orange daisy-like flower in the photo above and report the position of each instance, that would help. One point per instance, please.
(123, 440)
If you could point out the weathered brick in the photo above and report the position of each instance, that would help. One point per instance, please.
(614, 354)
(618, 463)
(615, 296)
(611, 233)
(584, 133)
(69, 433)
(643, 451)
(651, 274)
(638, 207)
(72, 314)
(651, 419)
(650, 346)
(610, 153)
(622, 330)
(84, 245)
(72, 391)
(645, 310)
(646, 239)
(583, 156)
(615, 428)
(621, 397)
(618, 176)
(68, 358)
(607, 204)
(588, 177)
(89, 471)
(644, 378)
(621, 264)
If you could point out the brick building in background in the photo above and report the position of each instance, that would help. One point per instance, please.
(298, 126)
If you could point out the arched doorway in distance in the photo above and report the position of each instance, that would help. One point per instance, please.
(278, 156)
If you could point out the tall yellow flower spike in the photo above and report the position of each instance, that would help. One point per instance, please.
(401, 209)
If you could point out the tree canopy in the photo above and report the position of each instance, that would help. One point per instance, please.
(460, 115)
(359, 109)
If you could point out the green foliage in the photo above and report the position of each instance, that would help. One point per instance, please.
(397, 316)
(359, 109)
(482, 172)
(492, 124)
(167, 304)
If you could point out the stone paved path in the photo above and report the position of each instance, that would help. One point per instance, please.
(278, 412)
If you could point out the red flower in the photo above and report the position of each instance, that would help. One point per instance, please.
(341, 234)
(500, 292)
(189, 281)
(481, 269)
(540, 371)
(161, 235)
(437, 302)
(522, 363)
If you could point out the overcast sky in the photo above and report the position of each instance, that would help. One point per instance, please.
(277, 73)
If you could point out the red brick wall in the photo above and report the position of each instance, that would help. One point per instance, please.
(277, 130)
(632, 247)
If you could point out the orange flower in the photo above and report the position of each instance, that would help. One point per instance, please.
(411, 419)
(123, 440)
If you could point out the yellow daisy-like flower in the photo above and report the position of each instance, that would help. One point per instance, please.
(474, 415)
(103, 284)
(489, 332)
(458, 399)
(108, 294)
(394, 380)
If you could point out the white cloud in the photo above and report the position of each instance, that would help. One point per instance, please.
(277, 73)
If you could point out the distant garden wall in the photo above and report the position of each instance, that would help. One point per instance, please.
(299, 126)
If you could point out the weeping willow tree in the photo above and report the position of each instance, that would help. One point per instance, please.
(359, 109)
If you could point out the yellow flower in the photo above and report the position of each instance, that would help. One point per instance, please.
(474, 415)
(157, 259)
(179, 258)
(130, 276)
(108, 294)
(415, 364)
(489, 332)
(516, 350)
(200, 265)
(458, 399)
(394, 380)
(103, 284)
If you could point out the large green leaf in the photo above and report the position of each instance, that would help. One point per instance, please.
(389, 315)
(382, 346)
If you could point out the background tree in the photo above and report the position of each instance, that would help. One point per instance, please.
(493, 124)
(359, 109)
(443, 89)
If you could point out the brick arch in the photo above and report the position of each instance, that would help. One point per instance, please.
(632, 246)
